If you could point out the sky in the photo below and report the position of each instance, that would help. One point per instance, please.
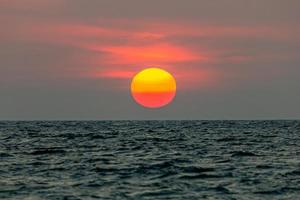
(75, 59)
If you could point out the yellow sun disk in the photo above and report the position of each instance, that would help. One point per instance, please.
(153, 80)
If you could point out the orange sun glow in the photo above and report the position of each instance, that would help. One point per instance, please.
(153, 88)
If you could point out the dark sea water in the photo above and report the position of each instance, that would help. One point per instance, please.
(150, 160)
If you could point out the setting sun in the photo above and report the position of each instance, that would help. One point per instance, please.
(153, 88)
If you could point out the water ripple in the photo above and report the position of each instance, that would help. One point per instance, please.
(150, 160)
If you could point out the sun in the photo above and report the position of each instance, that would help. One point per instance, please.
(153, 88)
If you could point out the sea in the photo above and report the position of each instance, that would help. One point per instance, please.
(70, 160)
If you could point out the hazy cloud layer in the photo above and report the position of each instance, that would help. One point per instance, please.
(75, 59)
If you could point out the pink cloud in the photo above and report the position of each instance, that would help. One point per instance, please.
(120, 48)
(153, 54)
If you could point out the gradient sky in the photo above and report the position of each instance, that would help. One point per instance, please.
(74, 59)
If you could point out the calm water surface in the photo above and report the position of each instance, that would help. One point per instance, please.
(150, 160)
